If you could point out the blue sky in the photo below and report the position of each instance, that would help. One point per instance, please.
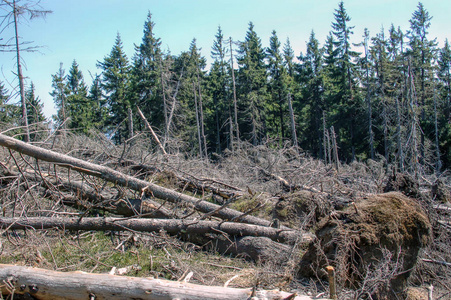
(86, 30)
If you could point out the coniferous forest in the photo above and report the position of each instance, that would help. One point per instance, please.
(286, 175)
(388, 96)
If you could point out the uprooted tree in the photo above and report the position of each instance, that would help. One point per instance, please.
(352, 220)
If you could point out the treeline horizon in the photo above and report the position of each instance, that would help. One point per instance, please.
(391, 100)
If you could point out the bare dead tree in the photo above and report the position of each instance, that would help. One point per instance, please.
(15, 11)
(235, 108)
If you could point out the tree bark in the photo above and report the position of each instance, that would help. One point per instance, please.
(20, 76)
(235, 106)
(292, 121)
(119, 178)
(47, 284)
(155, 137)
(171, 226)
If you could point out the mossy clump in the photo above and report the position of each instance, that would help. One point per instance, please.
(378, 233)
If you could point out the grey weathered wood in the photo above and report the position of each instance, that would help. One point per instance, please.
(46, 284)
(171, 226)
(119, 178)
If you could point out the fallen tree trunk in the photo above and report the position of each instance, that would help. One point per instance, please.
(46, 284)
(119, 178)
(171, 226)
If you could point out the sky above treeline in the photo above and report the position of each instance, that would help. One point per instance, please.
(86, 30)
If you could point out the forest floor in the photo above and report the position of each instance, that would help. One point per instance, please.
(265, 182)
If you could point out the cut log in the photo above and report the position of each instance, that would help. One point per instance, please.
(119, 178)
(171, 226)
(46, 284)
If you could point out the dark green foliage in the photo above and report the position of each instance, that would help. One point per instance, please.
(59, 94)
(115, 83)
(251, 81)
(34, 106)
(312, 107)
(346, 103)
(145, 79)
(8, 112)
(278, 82)
(385, 101)
(219, 125)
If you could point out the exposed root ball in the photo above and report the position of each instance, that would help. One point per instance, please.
(379, 236)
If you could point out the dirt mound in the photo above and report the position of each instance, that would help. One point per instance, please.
(375, 240)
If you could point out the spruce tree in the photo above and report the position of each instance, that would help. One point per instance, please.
(312, 108)
(278, 90)
(34, 106)
(253, 95)
(34, 113)
(348, 106)
(80, 109)
(115, 80)
(421, 55)
(221, 126)
(98, 102)
(145, 80)
(59, 94)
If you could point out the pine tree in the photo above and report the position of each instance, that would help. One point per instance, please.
(115, 81)
(253, 95)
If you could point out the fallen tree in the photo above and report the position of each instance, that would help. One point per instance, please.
(124, 180)
(171, 226)
(46, 284)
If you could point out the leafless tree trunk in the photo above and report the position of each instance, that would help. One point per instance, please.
(438, 164)
(334, 147)
(293, 124)
(155, 137)
(199, 136)
(399, 138)
(130, 122)
(235, 106)
(174, 103)
(171, 226)
(47, 284)
(20, 76)
(201, 111)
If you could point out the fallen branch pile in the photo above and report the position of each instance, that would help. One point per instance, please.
(89, 187)
(127, 181)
